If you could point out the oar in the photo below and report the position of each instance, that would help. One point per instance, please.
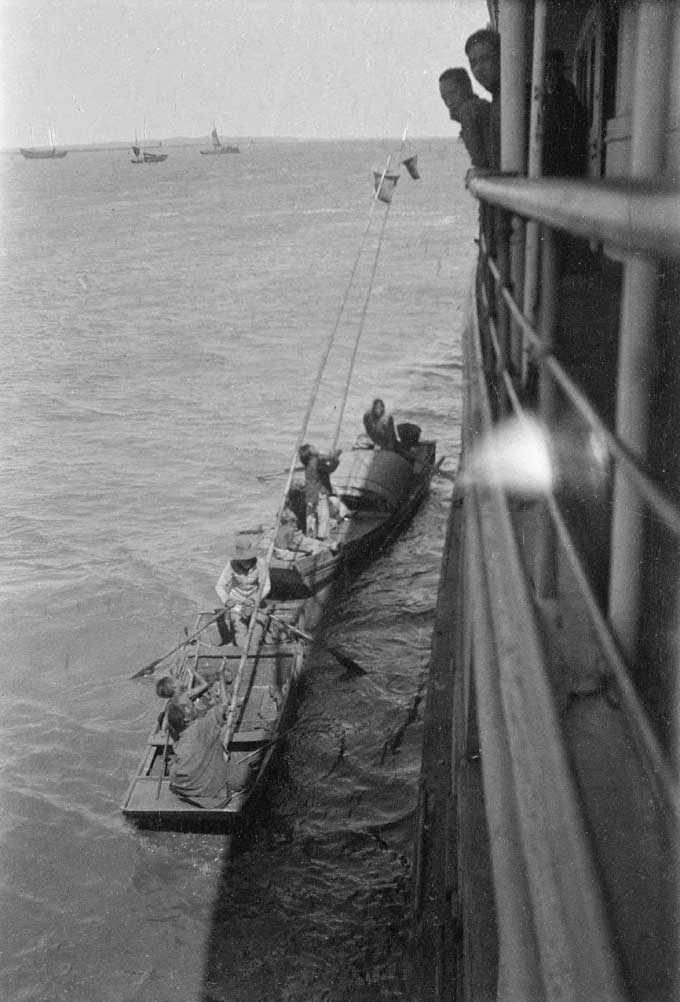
(147, 669)
(344, 659)
(266, 477)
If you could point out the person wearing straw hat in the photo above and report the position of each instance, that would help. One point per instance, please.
(238, 586)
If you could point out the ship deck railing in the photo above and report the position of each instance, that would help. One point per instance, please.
(632, 228)
(567, 658)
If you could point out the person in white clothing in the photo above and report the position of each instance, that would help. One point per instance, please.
(238, 586)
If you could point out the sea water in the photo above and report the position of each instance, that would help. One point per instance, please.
(162, 332)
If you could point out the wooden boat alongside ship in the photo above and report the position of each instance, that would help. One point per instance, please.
(382, 491)
(266, 695)
(218, 147)
(547, 848)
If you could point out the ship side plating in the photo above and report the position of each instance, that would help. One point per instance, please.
(546, 858)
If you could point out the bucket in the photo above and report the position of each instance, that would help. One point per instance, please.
(409, 434)
(411, 165)
(384, 186)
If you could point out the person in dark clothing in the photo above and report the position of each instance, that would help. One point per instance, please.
(471, 111)
(483, 49)
(318, 488)
(565, 122)
(199, 769)
(380, 427)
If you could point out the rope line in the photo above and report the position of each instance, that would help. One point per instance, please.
(231, 712)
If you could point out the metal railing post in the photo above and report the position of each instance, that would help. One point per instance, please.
(546, 570)
(637, 343)
(531, 252)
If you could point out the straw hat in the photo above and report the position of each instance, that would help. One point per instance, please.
(245, 549)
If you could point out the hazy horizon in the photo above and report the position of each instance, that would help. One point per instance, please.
(95, 70)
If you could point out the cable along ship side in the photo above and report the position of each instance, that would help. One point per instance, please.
(546, 856)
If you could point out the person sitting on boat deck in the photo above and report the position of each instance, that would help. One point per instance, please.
(319, 496)
(291, 542)
(380, 427)
(198, 772)
(168, 686)
(237, 588)
(472, 112)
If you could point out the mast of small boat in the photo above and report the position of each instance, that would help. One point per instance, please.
(215, 138)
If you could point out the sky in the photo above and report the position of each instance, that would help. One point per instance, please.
(104, 70)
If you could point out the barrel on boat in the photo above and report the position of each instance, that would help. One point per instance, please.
(379, 477)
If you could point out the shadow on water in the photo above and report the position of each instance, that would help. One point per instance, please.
(313, 897)
(339, 933)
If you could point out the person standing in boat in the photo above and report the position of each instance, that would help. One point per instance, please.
(199, 772)
(318, 489)
(238, 586)
(380, 427)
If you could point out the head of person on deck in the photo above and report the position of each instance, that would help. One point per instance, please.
(244, 557)
(306, 452)
(455, 88)
(483, 49)
(166, 687)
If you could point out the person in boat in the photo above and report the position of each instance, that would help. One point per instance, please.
(483, 49)
(470, 111)
(167, 686)
(198, 773)
(238, 586)
(380, 427)
(319, 496)
(291, 541)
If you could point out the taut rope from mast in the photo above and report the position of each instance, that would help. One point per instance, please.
(231, 712)
(364, 310)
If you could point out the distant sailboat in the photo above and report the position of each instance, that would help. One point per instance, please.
(154, 158)
(50, 152)
(217, 146)
(141, 156)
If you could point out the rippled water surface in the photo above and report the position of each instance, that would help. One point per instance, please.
(163, 326)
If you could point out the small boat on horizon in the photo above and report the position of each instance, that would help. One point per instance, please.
(217, 146)
(140, 156)
(50, 152)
